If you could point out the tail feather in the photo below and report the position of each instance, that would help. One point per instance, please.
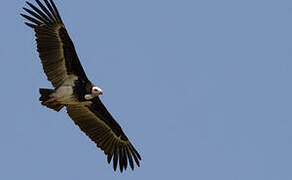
(45, 96)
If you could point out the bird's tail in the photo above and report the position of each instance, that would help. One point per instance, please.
(45, 100)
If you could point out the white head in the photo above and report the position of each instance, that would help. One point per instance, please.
(95, 91)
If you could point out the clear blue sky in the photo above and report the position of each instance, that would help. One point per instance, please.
(201, 87)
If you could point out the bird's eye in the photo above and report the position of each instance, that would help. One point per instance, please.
(94, 89)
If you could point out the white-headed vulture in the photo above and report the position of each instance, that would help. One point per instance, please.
(73, 89)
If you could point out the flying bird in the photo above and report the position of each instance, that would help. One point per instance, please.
(72, 89)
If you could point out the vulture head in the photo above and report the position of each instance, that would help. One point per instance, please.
(93, 92)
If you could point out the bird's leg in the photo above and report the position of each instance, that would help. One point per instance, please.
(52, 100)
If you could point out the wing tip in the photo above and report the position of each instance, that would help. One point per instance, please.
(123, 155)
(30, 25)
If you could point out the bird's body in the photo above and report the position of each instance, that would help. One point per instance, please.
(65, 93)
(72, 88)
(72, 91)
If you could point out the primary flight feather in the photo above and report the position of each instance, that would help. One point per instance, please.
(73, 89)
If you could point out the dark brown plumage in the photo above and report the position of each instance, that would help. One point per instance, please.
(63, 68)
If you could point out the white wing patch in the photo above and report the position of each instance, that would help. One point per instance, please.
(64, 93)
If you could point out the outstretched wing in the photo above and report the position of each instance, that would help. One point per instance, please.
(100, 127)
(56, 49)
